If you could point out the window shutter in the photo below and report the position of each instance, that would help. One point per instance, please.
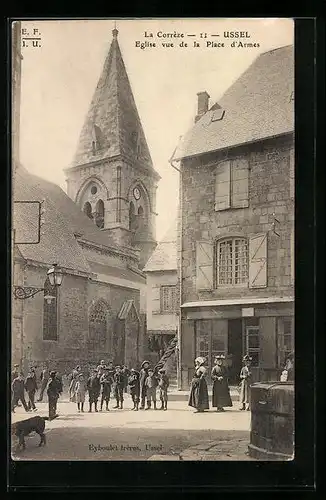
(258, 261)
(222, 186)
(156, 299)
(240, 183)
(204, 265)
(292, 190)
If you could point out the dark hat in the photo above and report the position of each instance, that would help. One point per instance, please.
(144, 363)
(220, 356)
(53, 374)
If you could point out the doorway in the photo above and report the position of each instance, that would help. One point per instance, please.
(235, 349)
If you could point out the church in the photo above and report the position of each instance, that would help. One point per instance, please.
(101, 235)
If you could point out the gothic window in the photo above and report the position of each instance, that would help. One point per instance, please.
(99, 215)
(132, 217)
(50, 320)
(98, 325)
(232, 261)
(88, 210)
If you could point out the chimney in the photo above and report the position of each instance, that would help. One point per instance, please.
(203, 100)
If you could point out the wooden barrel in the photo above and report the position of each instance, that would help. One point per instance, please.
(272, 421)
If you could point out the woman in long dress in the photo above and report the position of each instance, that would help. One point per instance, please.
(221, 392)
(245, 382)
(198, 397)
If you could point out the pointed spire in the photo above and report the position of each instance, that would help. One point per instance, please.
(114, 113)
(115, 31)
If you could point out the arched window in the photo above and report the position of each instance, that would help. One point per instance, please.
(50, 318)
(231, 259)
(132, 217)
(98, 325)
(99, 216)
(140, 211)
(88, 210)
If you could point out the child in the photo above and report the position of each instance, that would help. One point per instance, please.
(119, 381)
(94, 389)
(80, 392)
(106, 382)
(163, 384)
(151, 384)
(31, 388)
(134, 385)
(246, 381)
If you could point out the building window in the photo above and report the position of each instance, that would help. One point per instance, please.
(99, 214)
(285, 339)
(88, 210)
(50, 313)
(232, 261)
(211, 340)
(98, 325)
(168, 299)
(253, 344)
(232, 184)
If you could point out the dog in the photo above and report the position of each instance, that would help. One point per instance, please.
(25, 427)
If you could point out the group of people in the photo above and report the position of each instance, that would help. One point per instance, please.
(107, 380)
(221, 398)
(50, 382)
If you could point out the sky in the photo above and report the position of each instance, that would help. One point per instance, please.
(60, 76)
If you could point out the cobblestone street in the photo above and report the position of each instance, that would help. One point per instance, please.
(175, 434)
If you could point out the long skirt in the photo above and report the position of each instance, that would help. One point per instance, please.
(198, 397)
(221, 394)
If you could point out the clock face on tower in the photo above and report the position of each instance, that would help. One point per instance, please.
(136, 193)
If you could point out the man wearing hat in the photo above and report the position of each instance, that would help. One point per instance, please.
(106, 382)
(142, 379)
(245, 383)
(221, 392)
(53, 392)
(94, 389)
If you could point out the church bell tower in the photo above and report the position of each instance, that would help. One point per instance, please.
(112, 177)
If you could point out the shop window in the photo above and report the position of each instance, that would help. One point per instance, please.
(253, 342)
(285, 338)
(50, 312)
(168, 299)
(211, 339)
(232, 261)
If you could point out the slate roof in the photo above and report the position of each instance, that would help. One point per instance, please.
(64, 223)
(258, 105)
(112, 118)
(164, 257)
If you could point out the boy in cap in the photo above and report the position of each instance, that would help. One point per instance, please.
(163, 384)
(94, 389)
(245, 382)
(119, 381)
(53, 392)
(134, 385)
(143, 376)
(151, 385)
(106, 382)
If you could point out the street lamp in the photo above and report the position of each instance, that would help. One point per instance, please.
(55, 276)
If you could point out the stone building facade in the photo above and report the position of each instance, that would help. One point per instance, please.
(236, 246)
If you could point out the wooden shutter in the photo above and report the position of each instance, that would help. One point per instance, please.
(204, 265)
(222, 185)
(258, 261)
(240, 183)
(291, 173)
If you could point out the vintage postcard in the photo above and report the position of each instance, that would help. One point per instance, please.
(153, 239)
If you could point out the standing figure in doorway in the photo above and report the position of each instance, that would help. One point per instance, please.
(198, 397)
(53, 391)
(94, 389)
(245, 383)
(221, 392)
(143, 377)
